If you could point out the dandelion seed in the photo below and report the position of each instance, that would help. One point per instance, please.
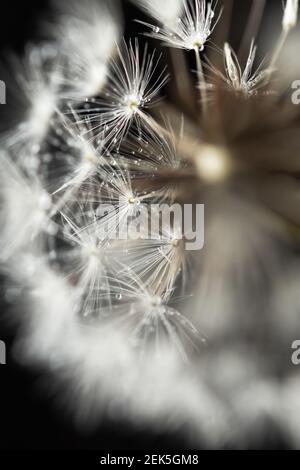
(86, 34)
(38, 83)
(193, 28)
(192, 31)
(246, 82)
(159, 258)
(118, 203)
(88, 261)
(84, 78)
(86, 157)
(149, 321)
(128, 93)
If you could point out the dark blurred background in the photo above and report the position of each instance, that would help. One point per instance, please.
(29, 418)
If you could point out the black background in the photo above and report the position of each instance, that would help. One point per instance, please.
(29, 418)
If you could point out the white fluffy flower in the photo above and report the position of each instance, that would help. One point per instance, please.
(97, 287)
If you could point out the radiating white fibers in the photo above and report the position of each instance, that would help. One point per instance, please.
(86, 33)
(132, 88)
(166, 13)
(193, 26)
(25, 209)
(34, 85)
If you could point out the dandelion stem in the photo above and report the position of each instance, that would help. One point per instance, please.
(253, 25)
(182, 77)
(201, 79)
(154, 125)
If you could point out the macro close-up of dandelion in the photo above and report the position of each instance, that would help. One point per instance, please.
(150, 223)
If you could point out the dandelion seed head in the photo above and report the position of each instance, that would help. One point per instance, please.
(90, 159)
(192, 29)
(176, 243)
(94, 258)
(132, 200)
(128, 92)
(89, 155)
(154, 301)
(110, 311)
(196, 41)
(132, 103)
